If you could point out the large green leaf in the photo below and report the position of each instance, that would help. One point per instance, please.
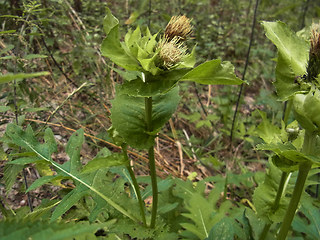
(213, 72)
(128, 116)
(10, 76)
(27, 140)
(293, 49)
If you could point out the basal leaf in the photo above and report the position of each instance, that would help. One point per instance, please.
(293, 49)
(213, 72)
(128, 116)
(26, 139)
(73, 148)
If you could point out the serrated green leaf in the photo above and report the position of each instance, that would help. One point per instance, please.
(294, 50)
(128, 116)
(26, 139)
(10, 76)
(213, 72)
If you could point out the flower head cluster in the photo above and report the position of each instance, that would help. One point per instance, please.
(313, 69)
(171, 47)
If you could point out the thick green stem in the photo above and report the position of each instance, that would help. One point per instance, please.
(152, 164)
(304, 168)
(275, 205)
(136, 187)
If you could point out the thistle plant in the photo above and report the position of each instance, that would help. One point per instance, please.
(149, 95)
(297, 81)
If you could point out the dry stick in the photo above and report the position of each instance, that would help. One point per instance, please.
(244, 71)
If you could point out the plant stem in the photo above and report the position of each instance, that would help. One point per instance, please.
(152, 164)
(136, 186)
(304, 168)
(275, 205)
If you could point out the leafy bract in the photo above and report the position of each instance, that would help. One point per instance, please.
(293, 55)
(293, 49)
(213, 72)
(128, 116)
(111, 46)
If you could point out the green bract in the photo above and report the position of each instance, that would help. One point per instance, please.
(141, 53)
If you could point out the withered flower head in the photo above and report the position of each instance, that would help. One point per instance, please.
(313, 69)
(171, 52)
(179, 27)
